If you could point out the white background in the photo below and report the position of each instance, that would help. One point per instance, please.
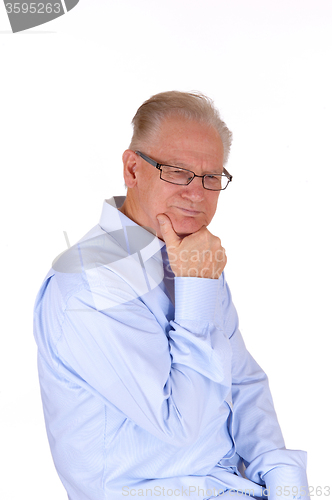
(68, 91)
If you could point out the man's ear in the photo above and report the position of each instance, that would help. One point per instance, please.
(129, 159)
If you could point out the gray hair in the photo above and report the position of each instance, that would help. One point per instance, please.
(192, 106)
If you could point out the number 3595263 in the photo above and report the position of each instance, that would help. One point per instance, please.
(319, 491)
(33, 8)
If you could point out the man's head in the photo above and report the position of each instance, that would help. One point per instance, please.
(184, 130)
(197, 107)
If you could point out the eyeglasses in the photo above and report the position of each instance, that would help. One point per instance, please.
(182, 176)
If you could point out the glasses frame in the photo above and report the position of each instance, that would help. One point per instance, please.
(160, 165)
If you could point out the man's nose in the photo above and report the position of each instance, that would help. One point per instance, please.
(194, 191)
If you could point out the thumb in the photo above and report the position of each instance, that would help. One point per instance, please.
(168, 234)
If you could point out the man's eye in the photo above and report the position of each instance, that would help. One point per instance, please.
(173, 171)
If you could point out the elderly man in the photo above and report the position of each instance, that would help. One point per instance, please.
(147, 387)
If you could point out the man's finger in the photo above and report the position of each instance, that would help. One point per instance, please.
(169, 235)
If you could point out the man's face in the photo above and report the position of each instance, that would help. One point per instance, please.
(182, 143)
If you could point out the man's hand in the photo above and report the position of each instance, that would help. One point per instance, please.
(198, 255)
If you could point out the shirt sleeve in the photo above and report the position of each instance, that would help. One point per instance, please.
(257, 433)
(170, 385)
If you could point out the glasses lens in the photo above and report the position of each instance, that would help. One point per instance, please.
(175, 175)
(215, 182)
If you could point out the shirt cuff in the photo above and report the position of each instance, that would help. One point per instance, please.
(285, 483)
(196, 298)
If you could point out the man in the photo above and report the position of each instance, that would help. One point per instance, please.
(148, 389)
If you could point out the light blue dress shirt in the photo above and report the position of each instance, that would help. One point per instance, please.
(147, 387)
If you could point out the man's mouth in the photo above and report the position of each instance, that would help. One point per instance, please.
(188, 211)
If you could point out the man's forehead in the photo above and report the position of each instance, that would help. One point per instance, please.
(178, 136)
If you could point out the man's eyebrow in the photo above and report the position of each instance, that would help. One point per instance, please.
(176, 163)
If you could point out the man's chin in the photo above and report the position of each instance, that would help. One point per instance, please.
(183, 229)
